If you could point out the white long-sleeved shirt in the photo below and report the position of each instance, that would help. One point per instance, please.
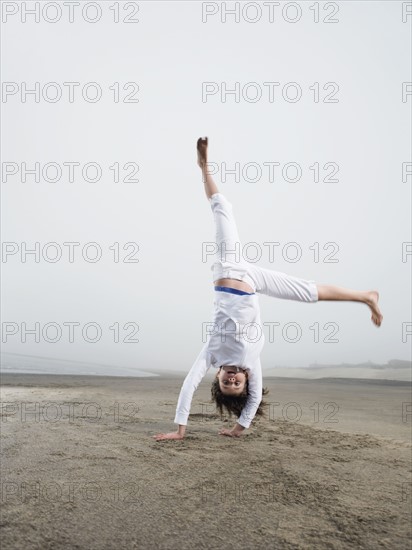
(236, 338)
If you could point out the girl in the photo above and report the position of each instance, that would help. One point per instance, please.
(236, 340)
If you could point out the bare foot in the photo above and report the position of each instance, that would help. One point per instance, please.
(372, 302)
(171, 435)
(202, 144)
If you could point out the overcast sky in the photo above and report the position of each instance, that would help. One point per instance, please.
(316, 146)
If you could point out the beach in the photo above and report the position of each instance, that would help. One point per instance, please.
(328, 467)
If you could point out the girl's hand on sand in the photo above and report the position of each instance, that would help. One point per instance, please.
(171, 435)
(230, 433)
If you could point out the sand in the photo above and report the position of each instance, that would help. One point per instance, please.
(82, 470)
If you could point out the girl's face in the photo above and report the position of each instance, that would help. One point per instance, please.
(232, 380)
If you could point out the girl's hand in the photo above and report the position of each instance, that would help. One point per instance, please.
(230, 433)
(171, 435)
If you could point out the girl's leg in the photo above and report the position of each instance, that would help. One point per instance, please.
(210, 185)
(368, 297)
(287, 287)
(228, 254)
(282, 285)
(229, 263)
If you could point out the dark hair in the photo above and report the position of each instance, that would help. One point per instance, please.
(234, 403)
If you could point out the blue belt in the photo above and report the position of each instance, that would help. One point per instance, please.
(232, 290)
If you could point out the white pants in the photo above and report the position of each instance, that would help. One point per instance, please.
(230, 263)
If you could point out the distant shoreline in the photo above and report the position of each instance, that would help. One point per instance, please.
(180, 375)
(14, 363)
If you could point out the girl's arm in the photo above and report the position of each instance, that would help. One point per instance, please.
(252, 403)
(190, 384)
(255, 395)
